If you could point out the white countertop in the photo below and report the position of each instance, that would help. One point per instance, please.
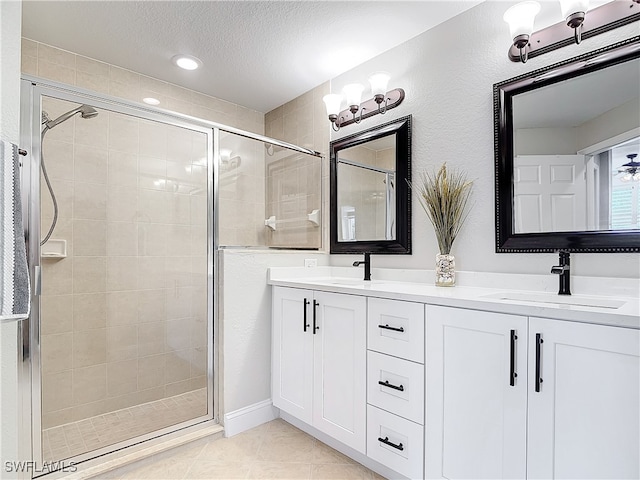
(527, 295)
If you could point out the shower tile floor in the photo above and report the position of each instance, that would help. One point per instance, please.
(275, 450)
(101, 431)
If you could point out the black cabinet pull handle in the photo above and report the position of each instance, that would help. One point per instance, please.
(512, 360)
(387, 384)
(395, 329)
(386, 441)
(304, 315)
(315, 306)
(539, 343)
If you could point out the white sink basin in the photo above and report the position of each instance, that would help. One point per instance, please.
(572, 300)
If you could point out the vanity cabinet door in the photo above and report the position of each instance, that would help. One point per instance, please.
(476, 410)
(340, 368)
(584, 412)
(292, 352)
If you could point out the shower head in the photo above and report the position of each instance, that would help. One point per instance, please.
(85, 111)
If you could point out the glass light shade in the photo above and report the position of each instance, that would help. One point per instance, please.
(353, 92)
(332, 102)
(626, 177)
(379, 82)
(569, 7)
(520, 18)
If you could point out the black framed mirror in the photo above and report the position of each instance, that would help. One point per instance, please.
(369, 186)
(565, 136)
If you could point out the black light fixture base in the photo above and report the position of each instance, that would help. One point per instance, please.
(369, 108)
(599, 20)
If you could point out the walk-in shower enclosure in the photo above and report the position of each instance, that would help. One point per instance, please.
(120, 346)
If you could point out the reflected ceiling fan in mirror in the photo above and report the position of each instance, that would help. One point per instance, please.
(631, 170)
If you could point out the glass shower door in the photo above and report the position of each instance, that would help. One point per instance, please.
(125, 309)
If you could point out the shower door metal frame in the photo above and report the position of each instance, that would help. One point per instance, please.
(30, 375)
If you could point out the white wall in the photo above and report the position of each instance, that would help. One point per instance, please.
(448, 74)
(10, 25)
(245, 322)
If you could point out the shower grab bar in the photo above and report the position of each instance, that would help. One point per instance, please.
(313, 217)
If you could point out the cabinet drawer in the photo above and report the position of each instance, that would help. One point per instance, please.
(396, 328)
(403, 392)
(403, 451)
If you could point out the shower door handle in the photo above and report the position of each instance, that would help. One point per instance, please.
(37, 280)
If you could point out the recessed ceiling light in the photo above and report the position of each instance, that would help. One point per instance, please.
(187, 62)
(151, 101)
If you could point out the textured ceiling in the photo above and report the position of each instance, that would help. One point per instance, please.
(259, 54)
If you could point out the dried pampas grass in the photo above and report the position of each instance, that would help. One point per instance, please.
(444, 196)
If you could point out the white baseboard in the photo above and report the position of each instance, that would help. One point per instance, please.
(249, 417)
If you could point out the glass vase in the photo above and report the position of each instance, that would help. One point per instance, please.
(445, 270)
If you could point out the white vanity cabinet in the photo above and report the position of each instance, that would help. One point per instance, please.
(572, 411)
(584, 410)
(476, 410)
(395, 385)
(319, 361)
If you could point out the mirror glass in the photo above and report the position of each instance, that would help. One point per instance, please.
(369, 190)
(366, 191)
(567, 140)
(570, 142)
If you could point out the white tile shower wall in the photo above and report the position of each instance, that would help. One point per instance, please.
(243, 223)
(124, 315)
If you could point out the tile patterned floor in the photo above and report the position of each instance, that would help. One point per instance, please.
(101, 431)
(275, 450)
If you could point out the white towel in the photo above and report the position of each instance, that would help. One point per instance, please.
(15, 291)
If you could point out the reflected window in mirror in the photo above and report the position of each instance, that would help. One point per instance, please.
(370, 203)
(563, 134)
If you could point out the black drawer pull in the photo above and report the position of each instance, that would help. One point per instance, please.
(387, 384)
(395, 329)
(386, 441)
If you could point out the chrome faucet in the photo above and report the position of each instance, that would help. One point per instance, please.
(367, 266)
(563, 271)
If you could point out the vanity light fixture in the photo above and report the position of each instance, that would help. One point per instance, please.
(631, 169)
(574, 12)
(356, 110)
(582, 23)
(186, 62)
(520, 18)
